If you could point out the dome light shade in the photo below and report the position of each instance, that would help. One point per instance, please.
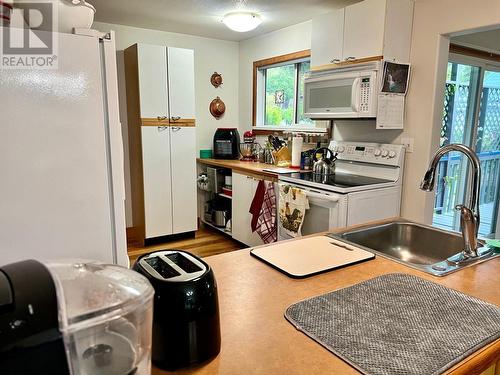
(242, 21)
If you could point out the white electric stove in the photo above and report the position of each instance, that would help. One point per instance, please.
(366, 186)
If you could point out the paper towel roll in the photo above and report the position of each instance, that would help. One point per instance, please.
(296, 151)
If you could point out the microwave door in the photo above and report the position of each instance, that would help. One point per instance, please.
(331, 97)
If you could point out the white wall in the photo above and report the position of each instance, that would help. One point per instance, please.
(434, 21)
(210, 55)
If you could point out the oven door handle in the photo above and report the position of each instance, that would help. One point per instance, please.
(327, 197)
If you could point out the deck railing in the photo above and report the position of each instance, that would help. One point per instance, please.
(449, 177)
(454, 130)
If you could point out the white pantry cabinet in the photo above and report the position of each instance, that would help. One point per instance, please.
(153, 90)
(165, 83)
(162, 139)
(181, 82)
(157, 178)
(183, 162)
(244, 188)
(368, 29)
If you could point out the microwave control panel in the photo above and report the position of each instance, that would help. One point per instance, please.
(364, 102)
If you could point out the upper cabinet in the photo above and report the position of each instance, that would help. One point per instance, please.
(365, 30)
(181, 82)
(153, 88)
(165, 83)
(327, 41)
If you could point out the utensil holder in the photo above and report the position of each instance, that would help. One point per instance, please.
(282, 157)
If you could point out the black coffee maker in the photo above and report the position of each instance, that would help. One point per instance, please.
(186, 328)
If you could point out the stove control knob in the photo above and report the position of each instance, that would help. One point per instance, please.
(340, 149)
(377, 152)
(385, 153)
(392, 154)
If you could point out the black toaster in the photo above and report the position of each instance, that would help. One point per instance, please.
(186, 327)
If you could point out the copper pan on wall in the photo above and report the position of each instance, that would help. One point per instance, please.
(216, 79)
(217, 107)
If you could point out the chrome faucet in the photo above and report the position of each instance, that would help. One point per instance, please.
(469, 215)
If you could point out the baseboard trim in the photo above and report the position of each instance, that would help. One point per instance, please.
(170, 237)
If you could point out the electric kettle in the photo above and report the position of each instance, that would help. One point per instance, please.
(325, 165)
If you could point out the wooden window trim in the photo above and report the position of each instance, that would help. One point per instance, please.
(270, 61)
(472, 52)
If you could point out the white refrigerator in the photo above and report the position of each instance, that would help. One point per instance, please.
(61, 157)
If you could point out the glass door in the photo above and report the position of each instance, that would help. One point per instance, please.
(471, 116)
(488, 149)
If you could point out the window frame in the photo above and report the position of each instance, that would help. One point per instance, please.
(258, 103)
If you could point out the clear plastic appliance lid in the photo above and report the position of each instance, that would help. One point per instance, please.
(90, 293)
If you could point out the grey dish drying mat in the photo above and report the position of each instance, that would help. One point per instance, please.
(398, 324)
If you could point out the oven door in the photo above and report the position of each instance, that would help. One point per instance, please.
(326, 212)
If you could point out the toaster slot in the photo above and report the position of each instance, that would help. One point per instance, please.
(163, 268)
(184, 263)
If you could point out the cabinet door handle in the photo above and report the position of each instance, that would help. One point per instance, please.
(161, 118)
(162, 128)
(176, 128)
(334, 61)
(350, 58)
(175, 118)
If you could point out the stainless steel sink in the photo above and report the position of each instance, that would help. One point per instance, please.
(419, 246)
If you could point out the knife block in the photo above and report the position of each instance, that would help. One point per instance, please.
(282, 157)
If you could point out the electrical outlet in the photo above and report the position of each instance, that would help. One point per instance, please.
(408, 143)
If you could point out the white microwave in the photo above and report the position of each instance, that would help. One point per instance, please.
(342, 93)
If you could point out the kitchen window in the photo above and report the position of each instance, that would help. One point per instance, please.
(278, 101)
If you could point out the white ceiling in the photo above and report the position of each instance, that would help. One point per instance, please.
(203, 17)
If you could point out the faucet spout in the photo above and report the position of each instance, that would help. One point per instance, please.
(469, 215)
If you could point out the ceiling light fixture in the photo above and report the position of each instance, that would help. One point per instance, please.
(242, 21)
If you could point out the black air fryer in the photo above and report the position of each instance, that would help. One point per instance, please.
(226, 143)
(186, 328)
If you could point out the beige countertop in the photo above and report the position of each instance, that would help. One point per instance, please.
(257, 339)
(245, 167)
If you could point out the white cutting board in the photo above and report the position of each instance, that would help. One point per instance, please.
(310, 256)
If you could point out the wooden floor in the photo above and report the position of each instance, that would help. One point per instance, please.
(207, 242)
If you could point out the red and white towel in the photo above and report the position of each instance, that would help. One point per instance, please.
(256, 206)
(263, 210)
(266, 224)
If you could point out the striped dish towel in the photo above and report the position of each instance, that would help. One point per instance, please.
(266, 224)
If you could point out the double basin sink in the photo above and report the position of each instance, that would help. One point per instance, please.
(419, 246)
